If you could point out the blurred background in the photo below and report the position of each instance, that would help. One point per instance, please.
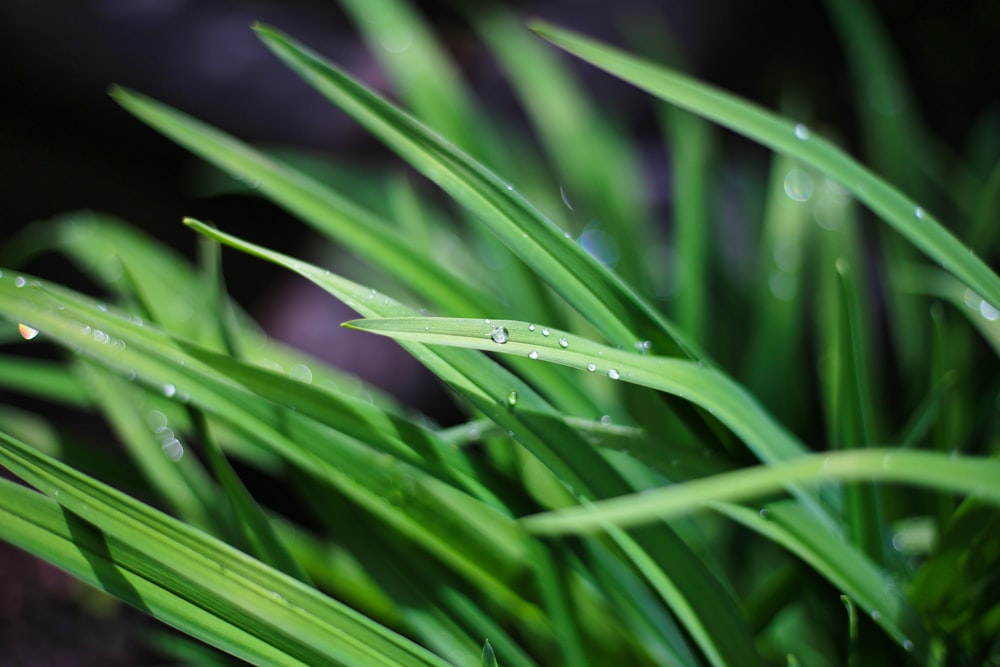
(65, 145)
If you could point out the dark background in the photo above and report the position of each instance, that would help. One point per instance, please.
(65, 145)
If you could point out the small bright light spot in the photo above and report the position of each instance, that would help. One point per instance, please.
(27, 333)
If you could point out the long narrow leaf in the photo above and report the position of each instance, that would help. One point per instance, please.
(796, 140)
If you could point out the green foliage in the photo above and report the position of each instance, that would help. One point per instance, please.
(617, 495)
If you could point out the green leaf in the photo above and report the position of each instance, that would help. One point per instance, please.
(183, 576)
(784, 136)
(327, 211)
(691, 590)
(975, 477)
(489, 658)
(689, 380)
(596, 293)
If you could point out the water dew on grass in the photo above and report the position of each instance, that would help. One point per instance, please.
(591, 367)
(918, 213)
(546, 332)
(500, 335)
(533, 354)
(512, 399)
(801, 132)
(614, 374)
(988, 311)
(301, 372)
(531, 327)
(563, 343)
(169, 390)
(27, 333)
(798, 185)
(20, 281)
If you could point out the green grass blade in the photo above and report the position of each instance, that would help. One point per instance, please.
(328, 212)
(42, 379)
(689, 380)
(592, 290)
(219, 586)
(474, 539)
(601, 174)
(784, 136)
(971, 476)
(183, 485)
(874, 590)
(691, 590)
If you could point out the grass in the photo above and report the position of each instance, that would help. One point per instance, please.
(640, 480)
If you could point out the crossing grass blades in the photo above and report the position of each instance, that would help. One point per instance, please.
(642, 479)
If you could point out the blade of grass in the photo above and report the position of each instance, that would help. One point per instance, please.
(795, 140)
(328, 212)
(601, 172)
(691, 590)
(689, 380)
(977, 477)
(592, 290)
(432, 514)
(220, 594)
(786, 524)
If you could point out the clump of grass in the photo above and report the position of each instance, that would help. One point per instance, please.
(617, 496)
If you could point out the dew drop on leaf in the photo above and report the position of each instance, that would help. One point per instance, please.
(512, 399)
(591, 367)
(614, 374)
(545, 332)
(563, 342)
(801, 132)
(27, 333)
(533, 354)
(500, 335)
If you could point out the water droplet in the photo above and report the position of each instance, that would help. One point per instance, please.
(500, 335)
(801, 132)
(988, 311)
(531, 327)
(301, 372)
(591, 367)
(487, 320)
(512, 399)
(103, 307)
(562, 193)
(644, 346)
(173, 449)
(614, 374)
(605, 419)
(546, 332)
(763, 512)
(971, 299)
(20, 281)
(156, 420)
(533, 354)
(395, 37)
(918, 213)
(876, 615)
(907, 645)
(169, 390)
(798, 185)
(563, 342)
(27, 333)
(510, 188)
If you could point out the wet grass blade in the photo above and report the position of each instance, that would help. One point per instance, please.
(690, 589)
(189, 579)
(689, 380)
(784, 136)
(597, 294)
(434, 514)
(600, 177)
